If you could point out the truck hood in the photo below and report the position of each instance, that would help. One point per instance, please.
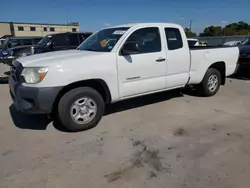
(46, 59)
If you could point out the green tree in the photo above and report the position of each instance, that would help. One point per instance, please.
(212, 31)
(189, 33)
(236, 28)
(227, 31)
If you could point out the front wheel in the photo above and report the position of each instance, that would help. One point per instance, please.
(80, 109)
(210, 83)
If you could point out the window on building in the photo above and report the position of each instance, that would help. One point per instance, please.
(45, 29)
(73, 40)
(147, 39)
(32, 28)
(52, 29)
(20, 28)
(73, 29)
(174, 38)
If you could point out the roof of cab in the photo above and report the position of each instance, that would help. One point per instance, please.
(146, 24)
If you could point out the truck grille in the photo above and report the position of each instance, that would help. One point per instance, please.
(16, 70)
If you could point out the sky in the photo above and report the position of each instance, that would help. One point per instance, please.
(96, 14)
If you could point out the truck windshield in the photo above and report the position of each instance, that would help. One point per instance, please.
(246, 42)
(44, 41)
(104, 40)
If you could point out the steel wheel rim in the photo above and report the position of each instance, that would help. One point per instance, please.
(83, 110)
(212, 83)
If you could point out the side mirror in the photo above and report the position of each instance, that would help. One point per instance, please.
(50, 44)
(130, 48)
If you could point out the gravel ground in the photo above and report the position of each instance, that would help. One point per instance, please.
(163, 140)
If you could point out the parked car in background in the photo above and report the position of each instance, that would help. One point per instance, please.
(115, 64)
(8, 44)
(193, 42)
(20, 41)
(244, 60)
(55, 42)
(14, 42)
(232, 43)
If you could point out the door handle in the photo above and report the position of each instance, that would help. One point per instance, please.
(160, 59)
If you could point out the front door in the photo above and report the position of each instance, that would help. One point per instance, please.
(145, 71)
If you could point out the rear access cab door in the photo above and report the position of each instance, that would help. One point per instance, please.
(178, 57)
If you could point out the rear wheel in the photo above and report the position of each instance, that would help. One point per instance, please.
(80, 109)
(210, 83)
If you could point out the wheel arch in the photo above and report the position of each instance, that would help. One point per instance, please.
(98, 84)
(221, 67)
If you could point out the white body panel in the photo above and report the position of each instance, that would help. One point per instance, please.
(178, 64)
(134, 75)
(202, 59)
(66, 67)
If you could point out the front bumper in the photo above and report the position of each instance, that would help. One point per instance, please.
(33, 100)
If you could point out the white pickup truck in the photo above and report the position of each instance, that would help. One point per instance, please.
(114, 64)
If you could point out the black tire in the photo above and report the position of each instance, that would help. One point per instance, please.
(204, 88)
(66, 102)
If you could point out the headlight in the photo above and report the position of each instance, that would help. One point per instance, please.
(34, 75)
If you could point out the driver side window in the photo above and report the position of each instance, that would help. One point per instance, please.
(148, 40)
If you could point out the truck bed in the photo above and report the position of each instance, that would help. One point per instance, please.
(208, 47)
(203, 56)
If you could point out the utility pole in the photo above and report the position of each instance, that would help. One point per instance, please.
(190, 25)
(67, 22)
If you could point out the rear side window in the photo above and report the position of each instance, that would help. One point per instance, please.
(27, 41)
(36, 40)
(16, 42)
(174, 38)
(73, 40)
(59, 40)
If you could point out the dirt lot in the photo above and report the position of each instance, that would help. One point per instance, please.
(163, 140)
